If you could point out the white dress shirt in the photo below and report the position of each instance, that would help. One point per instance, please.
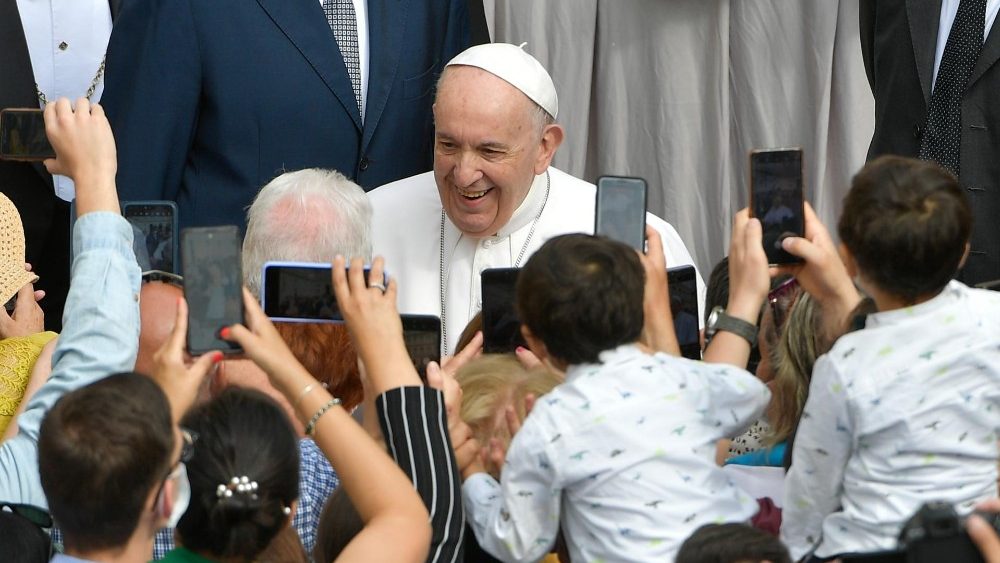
(406, 229)
(949, 9)
(361, 15)
(903, 412)
(66, 42)
(623, 454)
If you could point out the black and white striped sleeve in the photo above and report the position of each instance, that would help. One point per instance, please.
(415, 427)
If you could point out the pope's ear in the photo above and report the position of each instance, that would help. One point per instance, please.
(552, 137)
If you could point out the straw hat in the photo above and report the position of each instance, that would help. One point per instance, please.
(12, 273)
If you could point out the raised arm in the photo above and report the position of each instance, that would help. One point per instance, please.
(413, 417)
(396, 527)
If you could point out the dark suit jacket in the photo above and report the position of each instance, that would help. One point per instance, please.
(210, 100)
(898, 41)
(29, 185)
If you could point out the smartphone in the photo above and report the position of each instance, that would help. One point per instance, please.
(300, 292)
(213, 284)
(22, 135)
(776, 199)
(501, 326)
(154, 226)
(620, 213)
(422, 335)
(683, 284)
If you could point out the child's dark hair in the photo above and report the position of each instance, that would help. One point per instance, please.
(582, 295)
(242, 432)
(731, 543)
(907, 223)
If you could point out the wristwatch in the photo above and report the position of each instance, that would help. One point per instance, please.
(719, 320)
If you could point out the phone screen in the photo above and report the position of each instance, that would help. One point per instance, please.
(213, 285)
(620, 213)
(422, 335)
(22, 135)
(684, 308)
(776, 199)
(154, 224)
(501, 326)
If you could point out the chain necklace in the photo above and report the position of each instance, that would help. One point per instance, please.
(90, 91)
(517, 263)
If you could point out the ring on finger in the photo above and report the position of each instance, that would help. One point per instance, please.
(377, 285)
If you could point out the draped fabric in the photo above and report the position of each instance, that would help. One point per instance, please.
(678, 91)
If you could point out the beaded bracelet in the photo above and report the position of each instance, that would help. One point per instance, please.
(311, 427)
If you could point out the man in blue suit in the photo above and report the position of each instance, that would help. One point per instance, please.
(210, 100)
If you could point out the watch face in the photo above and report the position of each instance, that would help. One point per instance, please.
(713, 318)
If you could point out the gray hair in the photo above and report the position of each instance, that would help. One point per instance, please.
(308, 215)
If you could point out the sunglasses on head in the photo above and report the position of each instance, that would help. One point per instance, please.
(782, 299)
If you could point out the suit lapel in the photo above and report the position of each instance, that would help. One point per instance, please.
(987, 57)
(386, 26)
(116, 6)
(924, 17)
(303, 23)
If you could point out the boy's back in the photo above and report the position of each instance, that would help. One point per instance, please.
(900, 413)
(625, 450)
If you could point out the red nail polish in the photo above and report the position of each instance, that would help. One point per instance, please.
(520, 349)
(224, 332)
(216, 357)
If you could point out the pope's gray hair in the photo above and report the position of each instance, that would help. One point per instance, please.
(308, 215)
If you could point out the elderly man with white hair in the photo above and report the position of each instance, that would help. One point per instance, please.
(492, 198)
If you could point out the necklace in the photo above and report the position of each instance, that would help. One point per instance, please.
(517, 263)
(90, 91)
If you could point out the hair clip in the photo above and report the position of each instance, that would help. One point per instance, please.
(287, 510)
(242, 485)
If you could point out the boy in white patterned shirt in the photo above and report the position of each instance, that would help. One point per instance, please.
(907, 410)
(622, 453)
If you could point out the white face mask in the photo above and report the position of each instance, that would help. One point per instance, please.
(182, 494)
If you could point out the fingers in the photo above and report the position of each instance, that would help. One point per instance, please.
(513, 421)
(204, 363)
(985, 538)
(471, 351)
(466, 453)
(252, 313)
(179, 334)
(527, 358)
(376, 276)
(356, 276)
(497, 454)
(434, 379)
(529, 403)
(340, 287)
(239, 334)
(39, 295)
(654, 247)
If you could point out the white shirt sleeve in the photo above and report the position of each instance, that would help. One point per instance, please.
(517, 519)
(823, 445)
(738, 398)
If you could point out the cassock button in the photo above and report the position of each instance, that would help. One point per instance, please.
(364, 163)
(487, 243)
(63, 46)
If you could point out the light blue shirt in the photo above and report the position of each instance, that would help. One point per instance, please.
(100, 336)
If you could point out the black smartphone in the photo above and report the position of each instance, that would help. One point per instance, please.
(213, 283)
(620, 212)
(776, 199)
(154, 225)
(683, 284)
(422, 335)
(501, 326)
(22, 135)
(300, 292)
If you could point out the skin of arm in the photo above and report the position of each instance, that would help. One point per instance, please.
(396, 521)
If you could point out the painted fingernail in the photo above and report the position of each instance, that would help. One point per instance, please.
(224, 332)
(216, 357)
(520, 349)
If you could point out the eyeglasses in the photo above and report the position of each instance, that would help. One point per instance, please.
(782, 299)
(37, 516)
(188, 439)
(161, 276)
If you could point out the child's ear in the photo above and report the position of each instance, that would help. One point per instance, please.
(848, 259)
(965, 256)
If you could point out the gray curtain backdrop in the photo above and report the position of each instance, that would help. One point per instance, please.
(678, 91)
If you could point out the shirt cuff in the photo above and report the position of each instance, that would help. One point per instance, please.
(103, 229)
(480, 489)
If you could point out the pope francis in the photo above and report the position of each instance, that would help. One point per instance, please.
(492, 199)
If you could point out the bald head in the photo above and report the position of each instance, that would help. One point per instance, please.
(157, 312)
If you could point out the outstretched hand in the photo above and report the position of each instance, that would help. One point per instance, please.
(658, 327)
(179, 382)
(749, 278)
(85, 151)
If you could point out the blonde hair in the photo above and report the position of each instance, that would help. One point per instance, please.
(492, 382)
(800, 344)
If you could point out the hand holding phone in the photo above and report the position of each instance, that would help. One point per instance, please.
(620, 211)
(776, 199)
(301, 292)
(213, 286)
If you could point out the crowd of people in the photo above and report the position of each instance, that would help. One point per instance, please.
(836, 397)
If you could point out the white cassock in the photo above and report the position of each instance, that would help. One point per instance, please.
(406, 228)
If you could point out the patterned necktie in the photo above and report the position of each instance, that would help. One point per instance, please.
(942, 138)
(340, 16)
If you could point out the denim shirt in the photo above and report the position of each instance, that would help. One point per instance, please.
(100, 336)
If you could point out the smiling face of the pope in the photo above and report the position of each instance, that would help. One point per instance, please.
(490, 142)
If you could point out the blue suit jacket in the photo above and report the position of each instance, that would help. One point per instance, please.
(211, 99)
